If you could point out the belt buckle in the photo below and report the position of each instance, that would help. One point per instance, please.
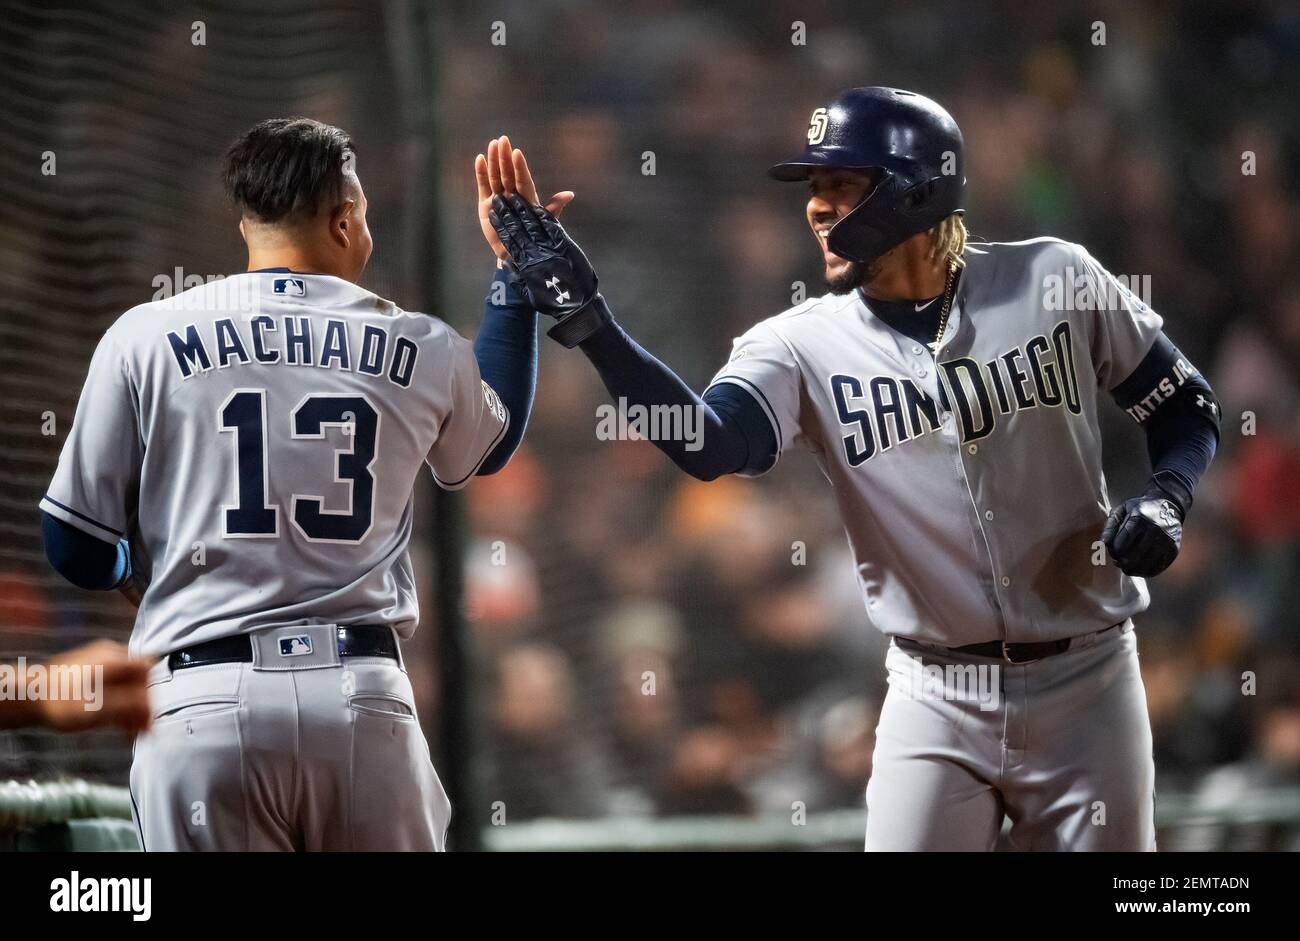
(1006, 655)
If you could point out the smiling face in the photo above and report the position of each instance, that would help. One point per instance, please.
(832, 195)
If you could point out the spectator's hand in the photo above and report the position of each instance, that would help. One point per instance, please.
(502, 171)
(122, 695)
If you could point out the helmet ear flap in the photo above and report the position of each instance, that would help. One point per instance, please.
(920, 196)
(865, 234)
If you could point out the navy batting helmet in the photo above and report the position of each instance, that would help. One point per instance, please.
(909, 141)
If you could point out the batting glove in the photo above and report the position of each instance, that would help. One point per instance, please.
(550, 269)
(1143, 534)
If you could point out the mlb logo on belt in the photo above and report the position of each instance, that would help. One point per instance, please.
(295, 286)
(298, 646)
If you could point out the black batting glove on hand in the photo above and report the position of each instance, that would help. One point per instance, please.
(1143, 534)
(550, 269)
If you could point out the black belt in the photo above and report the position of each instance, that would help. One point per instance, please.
(1001, 650)
(357, 640)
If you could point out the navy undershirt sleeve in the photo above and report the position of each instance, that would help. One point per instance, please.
(1179, 413)
(734, 433)
(84, 560)
(506, 350)
(1182, 442)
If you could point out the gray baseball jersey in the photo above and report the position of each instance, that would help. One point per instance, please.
(258, 437)
(972, 492)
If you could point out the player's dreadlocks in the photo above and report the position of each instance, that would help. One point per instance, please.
(948, 240)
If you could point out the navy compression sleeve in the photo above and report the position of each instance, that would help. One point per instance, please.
(733, 434)
(506, 350)
(1179, 413)
(84, 560)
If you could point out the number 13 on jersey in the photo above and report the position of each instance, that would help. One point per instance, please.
(254, 515)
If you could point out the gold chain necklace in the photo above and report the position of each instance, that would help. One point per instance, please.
(949, 283)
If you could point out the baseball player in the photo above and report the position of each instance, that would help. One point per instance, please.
(949, 393)
(242, 459)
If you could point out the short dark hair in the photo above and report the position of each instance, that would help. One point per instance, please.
(287, 169)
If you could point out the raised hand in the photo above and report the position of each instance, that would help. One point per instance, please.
(502, 171)
(549, 268)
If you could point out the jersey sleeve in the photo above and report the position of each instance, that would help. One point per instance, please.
(763, 365)
(474, 424)
(1124, 328)
(101, 457)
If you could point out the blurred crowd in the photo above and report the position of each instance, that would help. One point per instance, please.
(654, 645)
(649, 645)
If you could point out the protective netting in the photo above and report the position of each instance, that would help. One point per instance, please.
(649, 646)
(114, 118)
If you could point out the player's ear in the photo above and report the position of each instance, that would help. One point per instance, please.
(342, 223)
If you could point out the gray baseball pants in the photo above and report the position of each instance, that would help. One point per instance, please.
(289, 752)
(1061, 746)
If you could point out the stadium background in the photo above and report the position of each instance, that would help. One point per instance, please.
(588, 563)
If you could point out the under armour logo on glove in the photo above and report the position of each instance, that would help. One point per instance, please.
(1165, 513)
(560, 296)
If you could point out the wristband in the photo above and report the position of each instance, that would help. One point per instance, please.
(582, 323)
